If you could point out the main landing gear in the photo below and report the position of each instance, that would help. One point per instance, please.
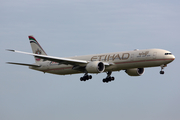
(86, 77)
(162, 67)
(108, 78)
(105, 80)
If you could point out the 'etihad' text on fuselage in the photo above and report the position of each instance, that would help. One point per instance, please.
(124, 56)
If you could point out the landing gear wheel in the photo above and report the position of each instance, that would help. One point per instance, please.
(90, 76)
(104, 80)
(112, 78)
(82, 79)
(162, 72)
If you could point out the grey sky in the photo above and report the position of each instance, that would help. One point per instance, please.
(77, 27)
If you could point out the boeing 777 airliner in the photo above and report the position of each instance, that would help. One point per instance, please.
(133, 62)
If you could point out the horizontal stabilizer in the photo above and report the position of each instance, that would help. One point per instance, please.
(24, 64)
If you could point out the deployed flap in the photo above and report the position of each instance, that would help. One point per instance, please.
(24, 64)
(55, 59)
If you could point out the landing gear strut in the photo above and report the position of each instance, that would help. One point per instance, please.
(162, 67)
(86, 77)
(108, 78)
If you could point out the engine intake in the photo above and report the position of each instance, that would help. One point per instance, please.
(135, 71)
(95, 67)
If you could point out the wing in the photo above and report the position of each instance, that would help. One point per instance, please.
(24, 64)
(55, 59)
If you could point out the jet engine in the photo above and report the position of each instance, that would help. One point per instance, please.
(95, 67)
(135, 71)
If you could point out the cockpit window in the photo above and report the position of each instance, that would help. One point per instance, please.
(168, 53)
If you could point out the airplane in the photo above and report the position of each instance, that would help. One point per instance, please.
(133, 62)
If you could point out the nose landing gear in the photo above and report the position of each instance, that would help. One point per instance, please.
(162, 67)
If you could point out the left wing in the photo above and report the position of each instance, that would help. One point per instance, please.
(24, 64)
(56, 59)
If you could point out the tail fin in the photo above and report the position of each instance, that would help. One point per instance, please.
(36, 48)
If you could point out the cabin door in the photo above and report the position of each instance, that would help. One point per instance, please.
(154, 55)
(132, 57)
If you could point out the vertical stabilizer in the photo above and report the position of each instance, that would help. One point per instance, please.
(36, 48)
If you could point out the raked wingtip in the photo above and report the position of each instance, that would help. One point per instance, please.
(10, 50)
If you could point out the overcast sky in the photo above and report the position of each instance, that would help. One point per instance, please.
(80, 27)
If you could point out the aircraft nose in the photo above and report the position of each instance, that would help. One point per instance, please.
(173, 57)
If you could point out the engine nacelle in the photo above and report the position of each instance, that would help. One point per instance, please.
(95, 67)
(135, 71)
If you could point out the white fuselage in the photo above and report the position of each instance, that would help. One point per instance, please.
(118, 60)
